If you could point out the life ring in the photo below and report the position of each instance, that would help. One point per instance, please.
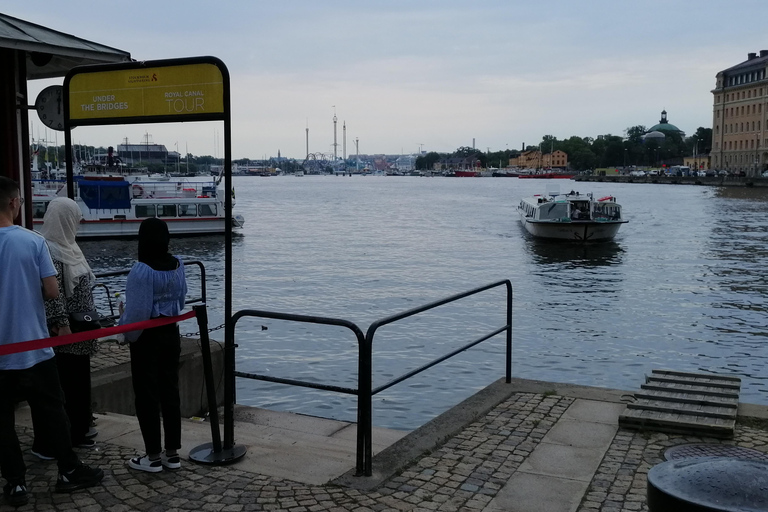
(137, 190)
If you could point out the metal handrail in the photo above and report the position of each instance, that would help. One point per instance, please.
(117, 273)
(364, 391)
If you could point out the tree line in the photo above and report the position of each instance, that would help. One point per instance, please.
(599, 152)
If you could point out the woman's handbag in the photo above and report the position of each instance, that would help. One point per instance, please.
(88, 321)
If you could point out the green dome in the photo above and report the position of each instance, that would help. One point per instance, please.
(665, 126)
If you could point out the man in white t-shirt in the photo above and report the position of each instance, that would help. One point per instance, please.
(27, 277)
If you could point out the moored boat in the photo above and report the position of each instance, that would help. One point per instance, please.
(114, 207)
(572, 216)
(549, 176)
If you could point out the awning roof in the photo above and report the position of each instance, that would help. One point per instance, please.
(50, 53)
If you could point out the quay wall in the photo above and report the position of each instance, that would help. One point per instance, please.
(716, 181)
(112, 386)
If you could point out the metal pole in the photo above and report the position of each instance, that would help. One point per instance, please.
(365, 407)
(509, 332)
(229, 336)
(213, 412)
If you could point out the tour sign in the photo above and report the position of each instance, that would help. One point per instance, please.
(165, 92)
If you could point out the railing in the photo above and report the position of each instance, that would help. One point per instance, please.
(118, 273)
(364, 391)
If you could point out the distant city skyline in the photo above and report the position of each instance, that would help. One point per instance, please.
(431, 75)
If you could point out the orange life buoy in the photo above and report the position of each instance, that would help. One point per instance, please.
(138, 191)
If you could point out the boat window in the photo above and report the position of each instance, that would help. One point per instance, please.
(553, 211)
(145, 210)
(38, 209)
(206, 210)
(166, 210)
(607, 211)
(187, 210)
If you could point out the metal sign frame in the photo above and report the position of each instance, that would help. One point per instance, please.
(230, 452)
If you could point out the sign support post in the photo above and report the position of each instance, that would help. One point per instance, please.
(165, 91)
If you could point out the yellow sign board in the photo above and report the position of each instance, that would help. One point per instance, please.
(184, 90)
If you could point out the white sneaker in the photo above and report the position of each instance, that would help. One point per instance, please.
(172, 462)
(144, 464)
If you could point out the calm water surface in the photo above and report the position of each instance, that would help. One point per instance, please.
(683, 287)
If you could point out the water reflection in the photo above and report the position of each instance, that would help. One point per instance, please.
(546, 252)
(748, 193)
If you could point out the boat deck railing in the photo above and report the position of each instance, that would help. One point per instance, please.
(364, 391)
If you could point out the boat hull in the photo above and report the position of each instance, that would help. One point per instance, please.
(129, 228)
(576, 231)
(115, 208)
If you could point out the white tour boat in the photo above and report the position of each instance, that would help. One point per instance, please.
(572, 216)
(113, 207)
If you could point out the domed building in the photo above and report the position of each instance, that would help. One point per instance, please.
(665, 126)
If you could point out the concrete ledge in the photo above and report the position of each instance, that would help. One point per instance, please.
(436, 432)
(112, 387)
(431, 435)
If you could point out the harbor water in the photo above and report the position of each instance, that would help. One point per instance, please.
(683, 286)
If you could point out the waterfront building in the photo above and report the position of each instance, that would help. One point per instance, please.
(739, 135)
(147, 153)
(535, 160)
(700, 162)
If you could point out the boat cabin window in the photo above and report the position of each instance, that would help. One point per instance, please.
(38, 209)
(206, 210)
(145, 210)
(166, 210)
(187, 210)
(607, 211)
(552, 211)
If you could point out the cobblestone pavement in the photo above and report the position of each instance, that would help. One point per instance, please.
(620, 481)
(464, 474)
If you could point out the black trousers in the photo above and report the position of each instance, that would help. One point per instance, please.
(75, 376)
(42, 390)
(155, 373)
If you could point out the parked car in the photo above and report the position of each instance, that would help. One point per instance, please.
(637, 173)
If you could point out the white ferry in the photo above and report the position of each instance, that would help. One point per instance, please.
(113, 207)
(572, 216)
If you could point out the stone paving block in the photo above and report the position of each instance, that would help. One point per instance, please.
(562, 461)
(593, 411)
(537, 493)
(582, 434)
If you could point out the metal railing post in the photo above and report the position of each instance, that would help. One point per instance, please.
(365, 408)
(509, 331)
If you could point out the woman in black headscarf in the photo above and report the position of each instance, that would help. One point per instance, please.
(156, 286)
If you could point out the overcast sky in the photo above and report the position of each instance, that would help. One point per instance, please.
(413, 74)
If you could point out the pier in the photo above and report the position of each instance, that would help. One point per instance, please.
(527, 445)
(712, 181)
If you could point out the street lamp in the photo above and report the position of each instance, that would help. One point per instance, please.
(625, 160)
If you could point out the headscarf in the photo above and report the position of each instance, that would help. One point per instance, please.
(60, 224)
(153, 244)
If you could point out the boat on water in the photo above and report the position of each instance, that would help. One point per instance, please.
(548, 176)
(572, 216)
(113, 207)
